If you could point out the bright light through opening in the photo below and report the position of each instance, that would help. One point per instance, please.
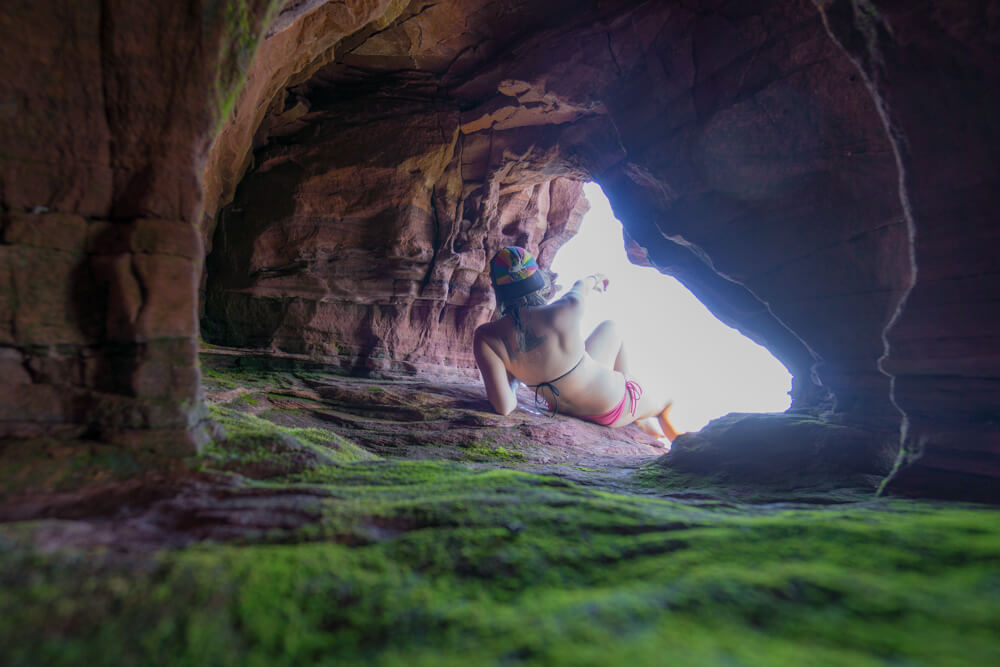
(676, 346)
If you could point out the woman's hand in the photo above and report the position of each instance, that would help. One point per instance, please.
(583, 286)
(601, 282)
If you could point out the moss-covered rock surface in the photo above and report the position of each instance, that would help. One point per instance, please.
(291, 542)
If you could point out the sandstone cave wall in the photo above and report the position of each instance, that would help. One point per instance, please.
(934, 69)
(107, 109)
(300, 37)
(750, 152)
(363, 238)
(821, 174)
(754, 171)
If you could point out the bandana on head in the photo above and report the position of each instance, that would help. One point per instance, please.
(515, 273)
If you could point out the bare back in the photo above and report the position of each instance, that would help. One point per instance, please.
(548, 345)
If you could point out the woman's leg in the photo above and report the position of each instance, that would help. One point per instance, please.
(605, 346)
(649, 407)
(652, 416)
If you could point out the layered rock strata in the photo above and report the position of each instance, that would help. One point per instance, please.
(107, 110)
(101, 328)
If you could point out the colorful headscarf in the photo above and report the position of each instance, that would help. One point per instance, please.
(514, 273)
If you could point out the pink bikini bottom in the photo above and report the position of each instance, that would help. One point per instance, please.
(633, 391)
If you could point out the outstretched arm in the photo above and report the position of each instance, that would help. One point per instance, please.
(582, 288)
(500, 386)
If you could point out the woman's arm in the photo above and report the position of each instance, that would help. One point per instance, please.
(500, 386)
(596, 282)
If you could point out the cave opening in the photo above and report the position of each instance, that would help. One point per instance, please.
(684, 351)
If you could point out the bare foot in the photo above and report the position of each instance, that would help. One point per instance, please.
(664, 420)
(649, 426)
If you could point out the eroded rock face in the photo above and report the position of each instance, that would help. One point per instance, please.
(770, 134)
(357, 239)
(821, 174)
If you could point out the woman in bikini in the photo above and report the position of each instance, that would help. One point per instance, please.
(540, 344)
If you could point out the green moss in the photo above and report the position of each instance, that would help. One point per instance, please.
(248, 373)
(433, 563)
(250, 400)
(485, 452)
(271, 396)
(261, 448)
(242, 29)
(664, 480)
(216, 383)
(396, 562)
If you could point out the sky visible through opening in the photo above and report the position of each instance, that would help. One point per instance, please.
(675, 345)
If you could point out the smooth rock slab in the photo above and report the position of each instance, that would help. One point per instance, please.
(785, 449)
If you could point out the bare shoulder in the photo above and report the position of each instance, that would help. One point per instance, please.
(569, 303)
(485, 332)
(487, 335)
(565, 308)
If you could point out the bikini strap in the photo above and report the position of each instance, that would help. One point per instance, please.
(555, 401)
(555, 392)
(564, 374)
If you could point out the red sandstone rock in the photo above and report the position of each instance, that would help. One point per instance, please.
(377, 265)
(107, 110)
(943, 347)
(822, 178)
